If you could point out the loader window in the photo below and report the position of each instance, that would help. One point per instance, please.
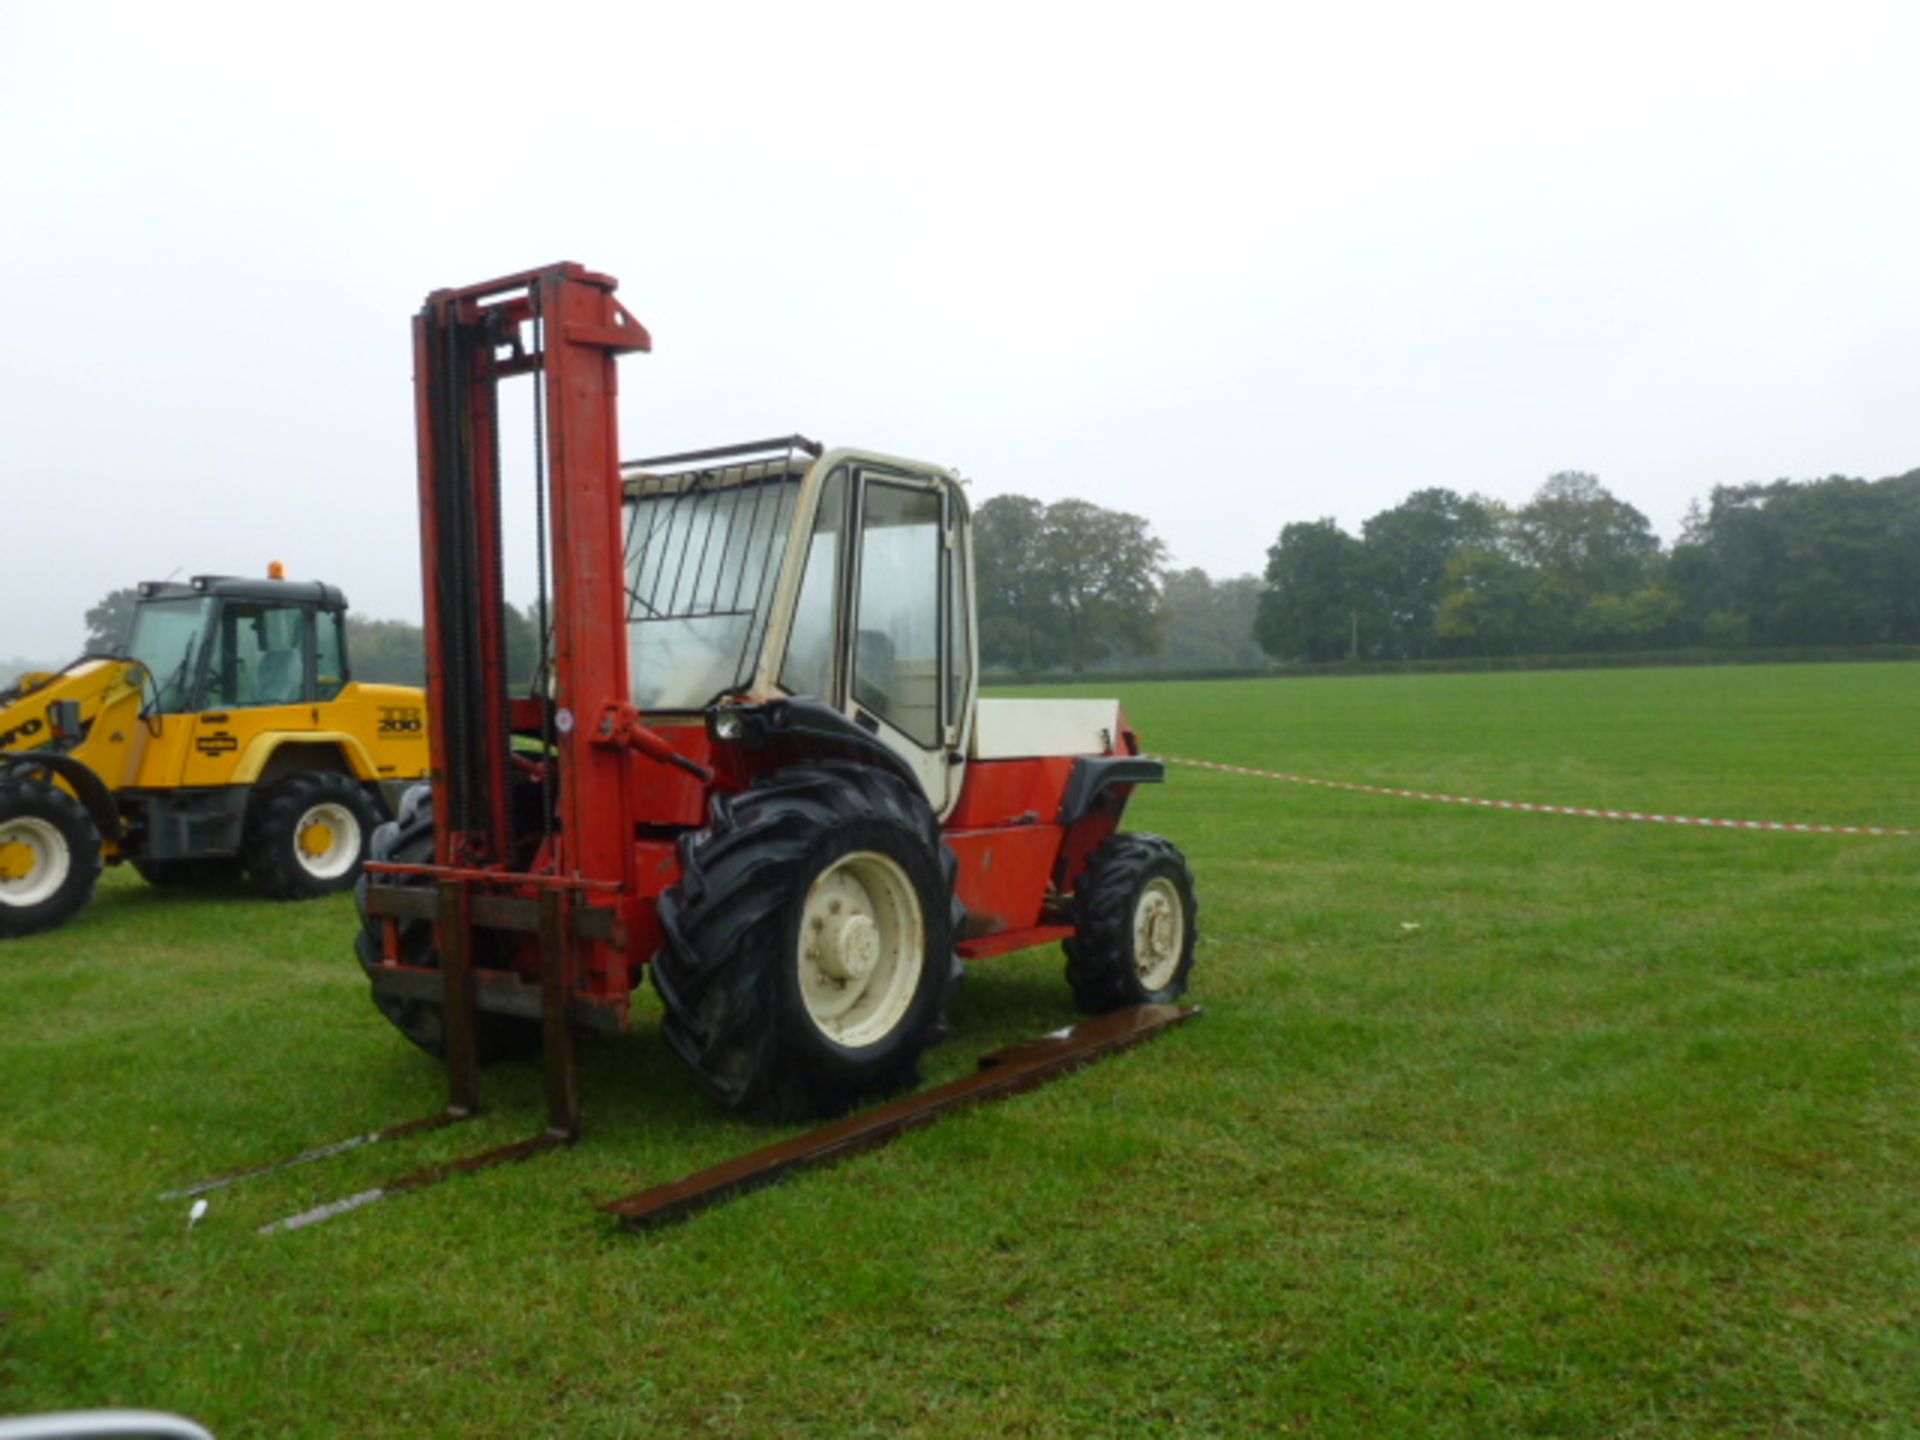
(166, 639)
(329, 653)
(896, 660)
(260, 657)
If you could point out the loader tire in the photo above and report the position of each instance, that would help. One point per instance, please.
(1134, 931)
(49, 857)
(808, 956)
(409, 841)
(180, 874)
(307, 835)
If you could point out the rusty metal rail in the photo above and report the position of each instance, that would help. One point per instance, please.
(1005, 1073)
(421, 1178)
(321, 1152)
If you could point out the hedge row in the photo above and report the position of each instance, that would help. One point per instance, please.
(1609, 660)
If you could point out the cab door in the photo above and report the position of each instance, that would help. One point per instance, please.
(880, 624)
(910, 682)
(259, 677)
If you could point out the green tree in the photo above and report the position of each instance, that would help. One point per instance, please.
(110, 622)
(1492, 604)
(1630, 622)
(1834, 561)
(1066, 584)
(1017, 627)
(1210, 622)
(1315, 588)
(1102, 570)
(1585, 542)
(386, 652)
(1408, 550)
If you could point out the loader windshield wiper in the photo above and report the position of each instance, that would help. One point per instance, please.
(166, 641)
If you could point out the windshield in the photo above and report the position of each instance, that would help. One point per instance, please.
(703, 553)
(166, 639)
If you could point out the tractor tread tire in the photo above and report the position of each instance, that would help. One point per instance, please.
(1100, 958)
(36, 799)
(409, 841)
(273, 819)
(729, 926)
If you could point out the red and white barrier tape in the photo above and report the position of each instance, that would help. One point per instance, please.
(1583, 810)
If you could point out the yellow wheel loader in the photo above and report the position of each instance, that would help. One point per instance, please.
(229, 736)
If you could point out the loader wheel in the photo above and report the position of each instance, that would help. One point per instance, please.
(409, 840)
(306, 835)
(808, 955)
(174, 874)
(1134, 933)
(49, 856)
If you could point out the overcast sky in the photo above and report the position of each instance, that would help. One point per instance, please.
(1225, 268)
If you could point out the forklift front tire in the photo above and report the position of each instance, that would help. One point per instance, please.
(809, 944)
(49, 857)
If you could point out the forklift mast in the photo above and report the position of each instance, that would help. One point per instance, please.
(562, 325)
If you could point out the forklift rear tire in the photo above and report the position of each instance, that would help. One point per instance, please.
(409, 841)
(175, 874)
(808, 955)
(1134, 933)
(306, 835)
(49, 857)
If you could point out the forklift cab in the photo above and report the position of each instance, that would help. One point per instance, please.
(784, 569)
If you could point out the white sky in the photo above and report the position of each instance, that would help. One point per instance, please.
(1226, 268)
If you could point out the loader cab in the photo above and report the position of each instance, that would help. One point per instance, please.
(220, 643)
(841, 576)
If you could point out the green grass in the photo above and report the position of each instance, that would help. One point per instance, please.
(1621, 1140)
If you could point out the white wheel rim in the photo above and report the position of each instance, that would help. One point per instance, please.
(1159, 933)
(47, 861)
(861, 948)
(326, 842)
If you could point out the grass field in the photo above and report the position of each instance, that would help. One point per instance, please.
(1622, 1139)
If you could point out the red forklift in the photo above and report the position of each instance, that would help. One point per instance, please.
(753, 762)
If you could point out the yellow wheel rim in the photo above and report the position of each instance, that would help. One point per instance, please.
(326, 842)
(16, 860)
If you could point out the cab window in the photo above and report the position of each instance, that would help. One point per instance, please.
(959, 636)
(897, 640)
(169, 640)
(811, 648)
(329, 654)
(260, 656)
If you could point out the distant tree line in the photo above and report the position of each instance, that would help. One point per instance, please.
(1069, 586)
(1072, 587)
(1831, 562)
